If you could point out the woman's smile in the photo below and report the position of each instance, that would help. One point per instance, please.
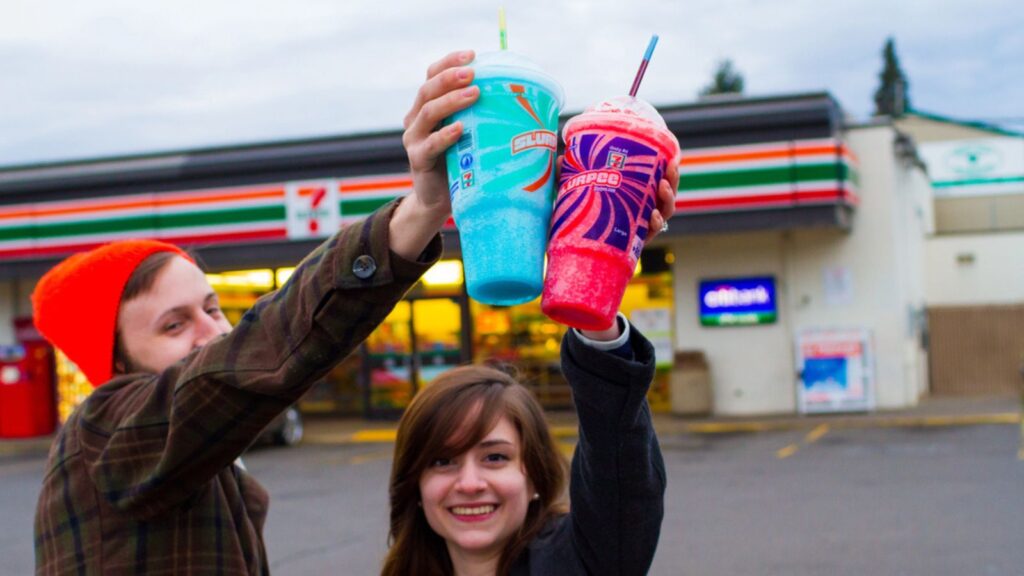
(473, 512)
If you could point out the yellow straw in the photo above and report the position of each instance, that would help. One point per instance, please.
(502, 28)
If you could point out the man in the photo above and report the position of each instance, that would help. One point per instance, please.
(141, 478)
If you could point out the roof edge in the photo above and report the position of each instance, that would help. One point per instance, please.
(977, 125)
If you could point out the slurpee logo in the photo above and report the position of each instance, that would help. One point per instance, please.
(535, 139)
(609, 178)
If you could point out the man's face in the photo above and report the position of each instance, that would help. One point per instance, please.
(178, 314)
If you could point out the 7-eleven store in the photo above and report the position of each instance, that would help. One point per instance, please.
(792, 232)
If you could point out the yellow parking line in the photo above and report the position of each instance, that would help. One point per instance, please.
(816, 434)
(386, 435)
(787, 451)
(730, 427)
(735, 427)
(970, 419)
(811, 437)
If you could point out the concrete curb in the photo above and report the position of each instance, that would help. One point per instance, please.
(895, 421)
(665, 425)
(388, 435)
(668, 426)
(24, 448)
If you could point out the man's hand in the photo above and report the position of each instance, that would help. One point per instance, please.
(446, 91)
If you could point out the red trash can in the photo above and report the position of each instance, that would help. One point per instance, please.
(26, 392)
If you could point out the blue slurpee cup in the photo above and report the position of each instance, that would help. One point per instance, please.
(501, 178)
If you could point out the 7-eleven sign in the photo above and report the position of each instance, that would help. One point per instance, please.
(312, 209)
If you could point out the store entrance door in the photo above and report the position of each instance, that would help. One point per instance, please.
(419, 340)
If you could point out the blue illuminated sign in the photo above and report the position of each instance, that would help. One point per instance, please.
(738, 301)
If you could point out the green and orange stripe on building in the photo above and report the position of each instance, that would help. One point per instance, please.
(359, 197)
(193, 217)
(773, 175)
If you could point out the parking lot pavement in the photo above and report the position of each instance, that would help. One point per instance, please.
(801, 496)
(921, 500)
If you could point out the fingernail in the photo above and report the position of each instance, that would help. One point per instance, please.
(454, 129)
(466, 56)
(462, 73)
(468, 92)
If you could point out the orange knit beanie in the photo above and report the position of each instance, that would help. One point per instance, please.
(75, 304)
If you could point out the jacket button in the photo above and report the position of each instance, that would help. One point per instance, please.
(364, 267)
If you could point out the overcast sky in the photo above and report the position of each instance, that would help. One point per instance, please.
(110, 77)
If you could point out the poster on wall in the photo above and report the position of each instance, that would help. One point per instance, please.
(836, 368)
(656, 325)
(838, 282)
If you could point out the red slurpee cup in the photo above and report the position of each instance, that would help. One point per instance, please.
(616, 153)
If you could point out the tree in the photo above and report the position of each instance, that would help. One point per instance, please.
(891, 98)
(727, 80)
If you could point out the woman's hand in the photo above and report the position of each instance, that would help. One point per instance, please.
(446, 91)
(666, 200)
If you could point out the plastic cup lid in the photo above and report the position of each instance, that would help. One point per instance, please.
(627, 109)
(630, 105)
(507, 64)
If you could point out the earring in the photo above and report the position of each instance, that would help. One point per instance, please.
(536, 496)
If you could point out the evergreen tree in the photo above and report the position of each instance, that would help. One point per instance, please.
(891, 98)
(727, 80)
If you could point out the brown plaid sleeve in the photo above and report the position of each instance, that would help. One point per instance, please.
(151, 442)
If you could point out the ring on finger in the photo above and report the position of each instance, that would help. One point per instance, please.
(664, 226)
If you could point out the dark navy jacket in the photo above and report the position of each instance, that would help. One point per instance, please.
(617, 483)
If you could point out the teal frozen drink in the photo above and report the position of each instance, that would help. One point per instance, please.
(501, 177)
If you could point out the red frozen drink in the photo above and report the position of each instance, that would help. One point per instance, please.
(616, 154)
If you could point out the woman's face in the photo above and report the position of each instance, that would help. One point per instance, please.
(477, 500)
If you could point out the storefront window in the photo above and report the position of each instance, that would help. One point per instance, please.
(424, 336)
(72, 387)
(238, 290)
(438, 337)
(648, 305)
(395, 365)
(389, 353)
(524, 336)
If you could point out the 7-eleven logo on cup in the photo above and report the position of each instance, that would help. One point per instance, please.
(616, 160)
(467, 179)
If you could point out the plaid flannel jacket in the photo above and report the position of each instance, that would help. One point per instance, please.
(141, 480)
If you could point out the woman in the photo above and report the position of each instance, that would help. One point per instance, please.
(142, 478)
(477, 481)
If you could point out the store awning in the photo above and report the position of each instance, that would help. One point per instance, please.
(748, 164)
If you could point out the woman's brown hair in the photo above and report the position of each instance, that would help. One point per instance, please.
(434, 426)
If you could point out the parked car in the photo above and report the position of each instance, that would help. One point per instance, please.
(285, 430)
